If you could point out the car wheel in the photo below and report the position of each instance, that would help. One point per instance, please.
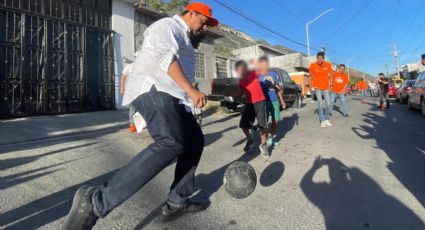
(298, 101)
(423, 107)
(409, 105)
(404, 100)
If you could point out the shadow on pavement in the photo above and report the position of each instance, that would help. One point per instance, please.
(401, 136)
(353, 200)
(47, 209)
(210, 138)
(224, 119)
(272, 173)
(15, 162)
(49, 141)
(18, 178)
(283, 128)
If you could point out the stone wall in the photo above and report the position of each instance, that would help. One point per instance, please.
(141, 22)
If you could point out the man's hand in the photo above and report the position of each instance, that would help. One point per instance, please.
(122, 89)
(317, 163)
(199, 99)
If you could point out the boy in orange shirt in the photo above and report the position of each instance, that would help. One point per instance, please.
(363, 87)
(339, 83)
(320, 75)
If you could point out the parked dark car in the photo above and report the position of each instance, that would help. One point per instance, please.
(404, 90)
(416, 98)
(228, 92)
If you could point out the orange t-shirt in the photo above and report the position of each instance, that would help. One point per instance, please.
(320, 75)
(362, 85)
(339, 81)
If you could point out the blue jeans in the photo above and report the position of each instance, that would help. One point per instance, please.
(176, 135)
(343, 103)
(362, 93)
(323, 104)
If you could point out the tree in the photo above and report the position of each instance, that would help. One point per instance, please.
(170, 7)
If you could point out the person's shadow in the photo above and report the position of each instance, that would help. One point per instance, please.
(353, 200)
(284, 126)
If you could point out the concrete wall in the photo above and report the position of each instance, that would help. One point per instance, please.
(290, 62)
(122, 24)
(254, 51)
(246, 53)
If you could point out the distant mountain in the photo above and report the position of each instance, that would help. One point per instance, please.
(278, 47)
(236, 39)
(233, 39)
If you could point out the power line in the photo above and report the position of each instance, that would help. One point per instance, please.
(351, 18)
(416, 50)
(338, 22)
(295, 16)
(411, 23)
(302, 12)
(260, 24)
(395, 19)
(263, 26)
(371, 23)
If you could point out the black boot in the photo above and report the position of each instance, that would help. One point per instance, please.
(81, 216)
(169, 213)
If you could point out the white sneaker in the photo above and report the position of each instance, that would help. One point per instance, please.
(323, 124)
(264, 151)
(328, 123)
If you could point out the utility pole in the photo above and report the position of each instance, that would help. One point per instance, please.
(396, 53)
(348, 65)
(308, 35)
(387, 65)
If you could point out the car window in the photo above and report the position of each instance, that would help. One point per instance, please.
(285, 76)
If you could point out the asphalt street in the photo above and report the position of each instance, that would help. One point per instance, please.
(365, 172)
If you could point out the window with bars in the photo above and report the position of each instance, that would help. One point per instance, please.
(221, 67)
(200, 65)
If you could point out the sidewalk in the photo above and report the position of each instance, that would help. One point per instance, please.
(43, 127)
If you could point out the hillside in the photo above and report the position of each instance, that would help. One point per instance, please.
(236, 39)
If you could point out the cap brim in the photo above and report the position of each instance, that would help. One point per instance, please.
(212, 22)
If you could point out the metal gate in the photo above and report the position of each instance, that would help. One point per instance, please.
(56, 56)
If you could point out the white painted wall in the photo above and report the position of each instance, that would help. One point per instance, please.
(123, 25)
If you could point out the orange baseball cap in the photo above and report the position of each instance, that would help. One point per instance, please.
(205, 10)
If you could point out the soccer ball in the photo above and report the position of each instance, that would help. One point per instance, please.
(240, 179)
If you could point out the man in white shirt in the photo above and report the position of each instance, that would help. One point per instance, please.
(159, 88)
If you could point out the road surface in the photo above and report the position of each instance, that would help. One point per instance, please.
(365, 172)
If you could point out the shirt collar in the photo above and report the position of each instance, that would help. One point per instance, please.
(181, 22)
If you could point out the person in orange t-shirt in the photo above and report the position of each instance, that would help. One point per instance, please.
(340, 81)
(362, 87)
(320, 74)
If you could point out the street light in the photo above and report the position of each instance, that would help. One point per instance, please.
(306, 29)
(348, 64)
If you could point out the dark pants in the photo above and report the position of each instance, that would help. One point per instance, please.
(384, 95)
(176, 134)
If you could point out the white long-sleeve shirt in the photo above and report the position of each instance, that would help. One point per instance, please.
(164, 40)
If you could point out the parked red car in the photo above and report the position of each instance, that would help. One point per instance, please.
(392, 90)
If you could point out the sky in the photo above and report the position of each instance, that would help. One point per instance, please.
(364, 31)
